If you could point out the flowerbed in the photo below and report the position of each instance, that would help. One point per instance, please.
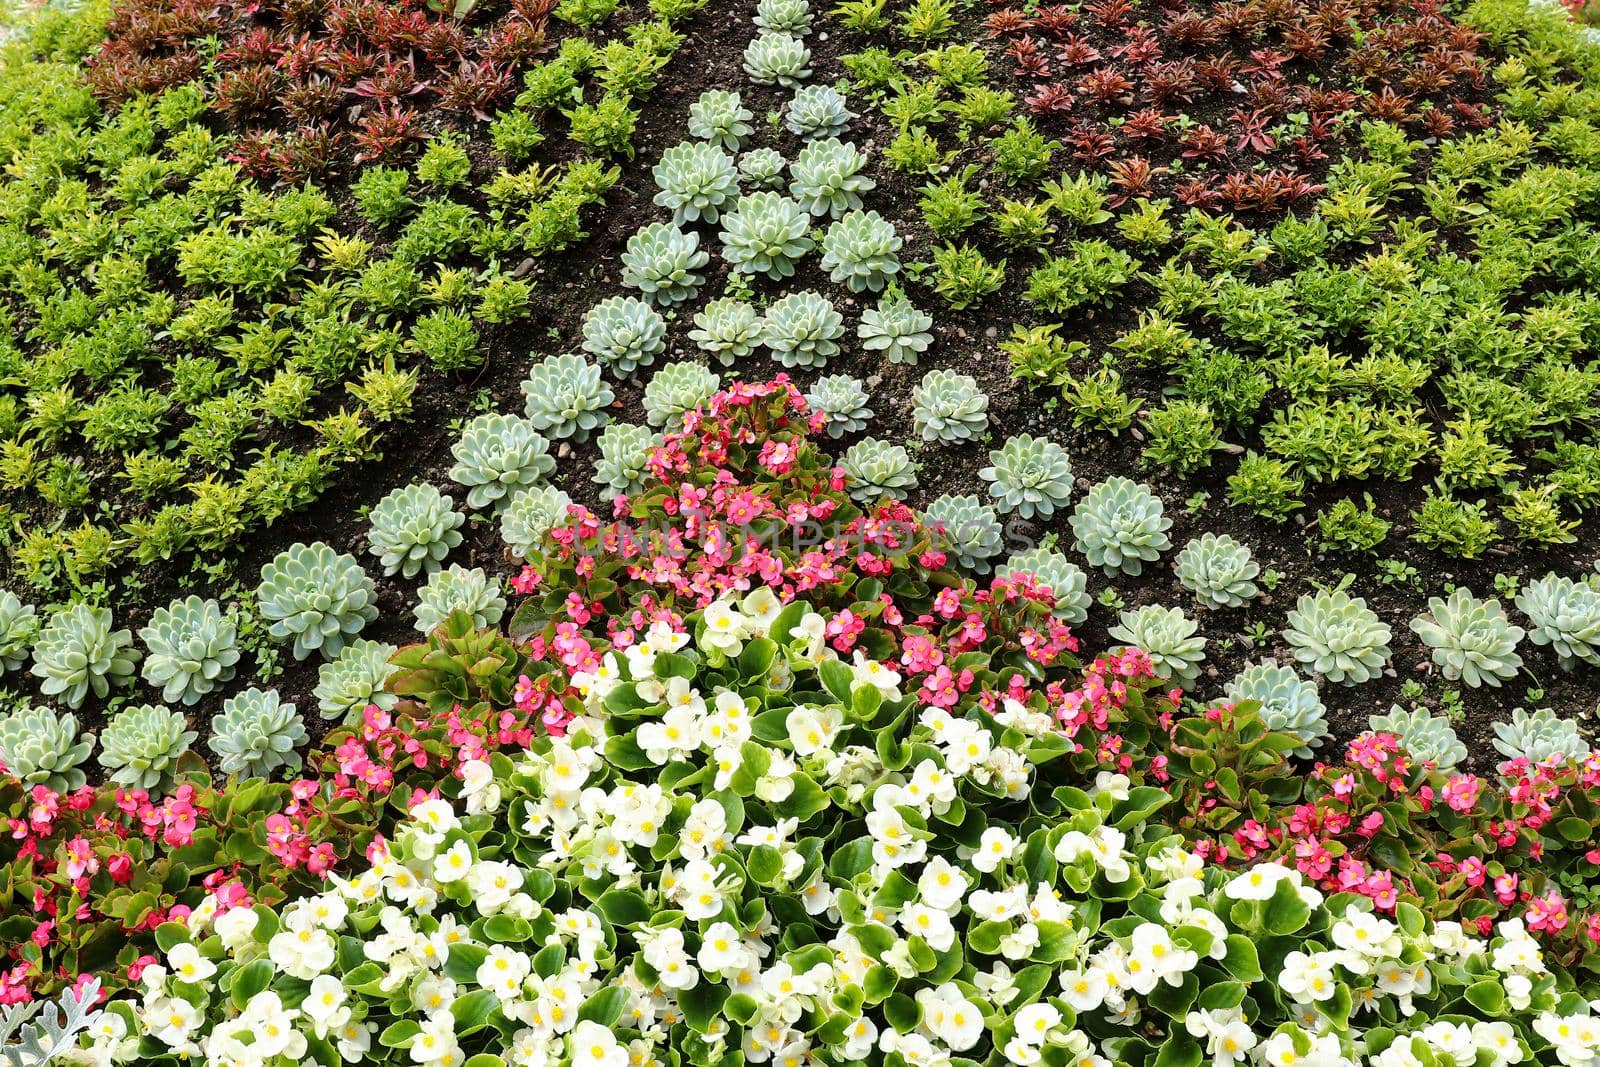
(1378, 825)
(735, 731)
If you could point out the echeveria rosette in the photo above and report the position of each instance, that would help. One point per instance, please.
(792, 17)
(676, 389)
(624, 333)
(896, 329)
(861, 251)
(565, 396)
(720, 117)
(949, 407)
(498, 454)
(256, 734)
(1338, 636)
(728, 330)
(141, 744)
(1065, 580)
(818, 111)
(413, 528)
(1564, 614)
(802, 329)
(1540, 737)
(1029, 475)
(1289, 703)
(843, 403)
(316, 597)
(1218, 570)
(19, 625)
(1120, 525)
(354, 679)
(665, 263)
(459, 589)
(1168, 636)
(762, 168)
(969, 528)
(625, 450)
(828, 177)
(1426, 737)
(530, 516)
(1472, 640)
(192, 647)
(40, 747)
(874, 468)
(777, 59)
(697, 180)
(80, 651)
(766, 234)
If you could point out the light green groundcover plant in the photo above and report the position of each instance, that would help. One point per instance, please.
(748, 851)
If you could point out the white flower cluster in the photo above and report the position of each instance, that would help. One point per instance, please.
(751, 848)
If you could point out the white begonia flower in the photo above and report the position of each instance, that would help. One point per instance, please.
(723, 629)
(1175, 863)
(761, 608)
(236, 927)
(995, 846)
(1575, 1038)
(454, 864)
(1519, 991)
(1398, 1054)
(722, 949)
(674, 735)
(681, 693)
(812, 729)
(1104, 845)
(437, 816)
(477, 776)
(942, 885)
(1258, 883)
(965, 745)
(998, 906)
(325, 1000)
(503, 971)
(869, 672)
(171, 1020)
(1035, 1022)
(1111, 784)
(1307, 978)
(777, 785)
(931, 924)
(187, 965)
(699, 894)
(951, 1017)
(1154, 957)
(1451, 1040)
(493, 884)
(661, 637)
(859, 1037)
(1085, 990)
(893, 843)
(1517, 952)
(436, 1043)
(1021, 1052)
(1499, 1040)
(597, 684)
(303, 953)
(728, 723)
(809, 637)
(666, 954)
(1228, 1037)
(1365, 939)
